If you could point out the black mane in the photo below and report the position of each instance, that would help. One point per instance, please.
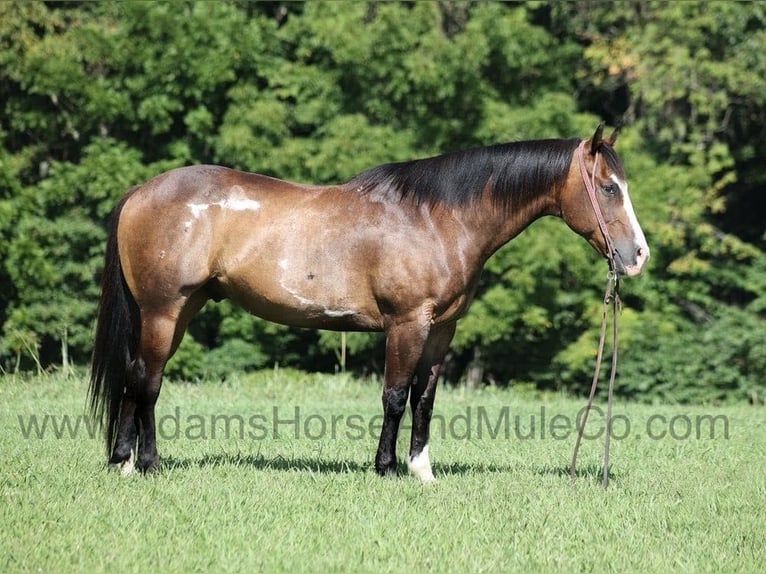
(515, 172)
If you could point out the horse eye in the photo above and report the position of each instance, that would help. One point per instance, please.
(609, 189)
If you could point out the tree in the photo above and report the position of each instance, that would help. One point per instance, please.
(97, 97)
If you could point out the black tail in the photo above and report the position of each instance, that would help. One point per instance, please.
(117, 332)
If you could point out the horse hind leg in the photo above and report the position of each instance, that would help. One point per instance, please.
(135, 445)
(125, 446)
(161, 333)
(124, 449)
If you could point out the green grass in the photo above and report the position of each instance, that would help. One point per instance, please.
(313, 504)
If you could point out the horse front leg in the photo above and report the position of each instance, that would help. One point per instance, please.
(422, 400)
(404, 347)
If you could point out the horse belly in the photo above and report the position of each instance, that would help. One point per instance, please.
(300, 308)
(300, 286)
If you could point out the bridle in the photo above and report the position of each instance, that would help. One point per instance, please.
(611, 295)
(590, 187)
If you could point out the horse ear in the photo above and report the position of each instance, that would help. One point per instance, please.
(613, 136)
(595, 141)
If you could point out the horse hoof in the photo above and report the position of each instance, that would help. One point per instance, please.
(126, 466)
(149, 465)
(386, 469)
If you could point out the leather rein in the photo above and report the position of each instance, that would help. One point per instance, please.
(611, 296)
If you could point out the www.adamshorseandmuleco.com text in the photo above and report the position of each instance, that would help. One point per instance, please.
(471, 423)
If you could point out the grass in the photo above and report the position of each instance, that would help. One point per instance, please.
(308, 501)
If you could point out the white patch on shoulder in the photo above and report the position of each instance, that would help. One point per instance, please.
(187, 225)
(420, 466)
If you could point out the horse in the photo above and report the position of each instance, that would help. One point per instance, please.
(398, 248)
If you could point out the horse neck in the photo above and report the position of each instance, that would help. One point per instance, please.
(495, 225)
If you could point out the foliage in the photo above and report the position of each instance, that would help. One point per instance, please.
(97, 97)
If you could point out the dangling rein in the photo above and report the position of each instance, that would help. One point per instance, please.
(611, 296)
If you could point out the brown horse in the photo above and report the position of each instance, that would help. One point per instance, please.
(399, 248)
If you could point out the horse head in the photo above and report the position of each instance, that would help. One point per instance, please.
(595, 203)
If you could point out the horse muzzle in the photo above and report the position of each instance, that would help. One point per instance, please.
(631, 261)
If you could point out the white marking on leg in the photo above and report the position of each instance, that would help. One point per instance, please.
(420, 466)
(128, 467)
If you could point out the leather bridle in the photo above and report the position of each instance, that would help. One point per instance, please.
(590, 187)
(611, 295)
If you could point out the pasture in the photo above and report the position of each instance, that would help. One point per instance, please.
(273, 472)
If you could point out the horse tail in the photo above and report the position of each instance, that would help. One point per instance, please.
(117, 333)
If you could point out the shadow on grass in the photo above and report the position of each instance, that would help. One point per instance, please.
(320, 465)
(260, 462)
(464, 468)
(591, 472)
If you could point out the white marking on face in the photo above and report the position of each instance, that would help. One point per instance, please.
(420, 466)
(638, 233)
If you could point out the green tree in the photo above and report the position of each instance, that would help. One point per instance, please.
(97, 97)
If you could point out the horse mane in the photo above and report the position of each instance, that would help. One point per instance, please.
(514, 172)
(613, 161)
